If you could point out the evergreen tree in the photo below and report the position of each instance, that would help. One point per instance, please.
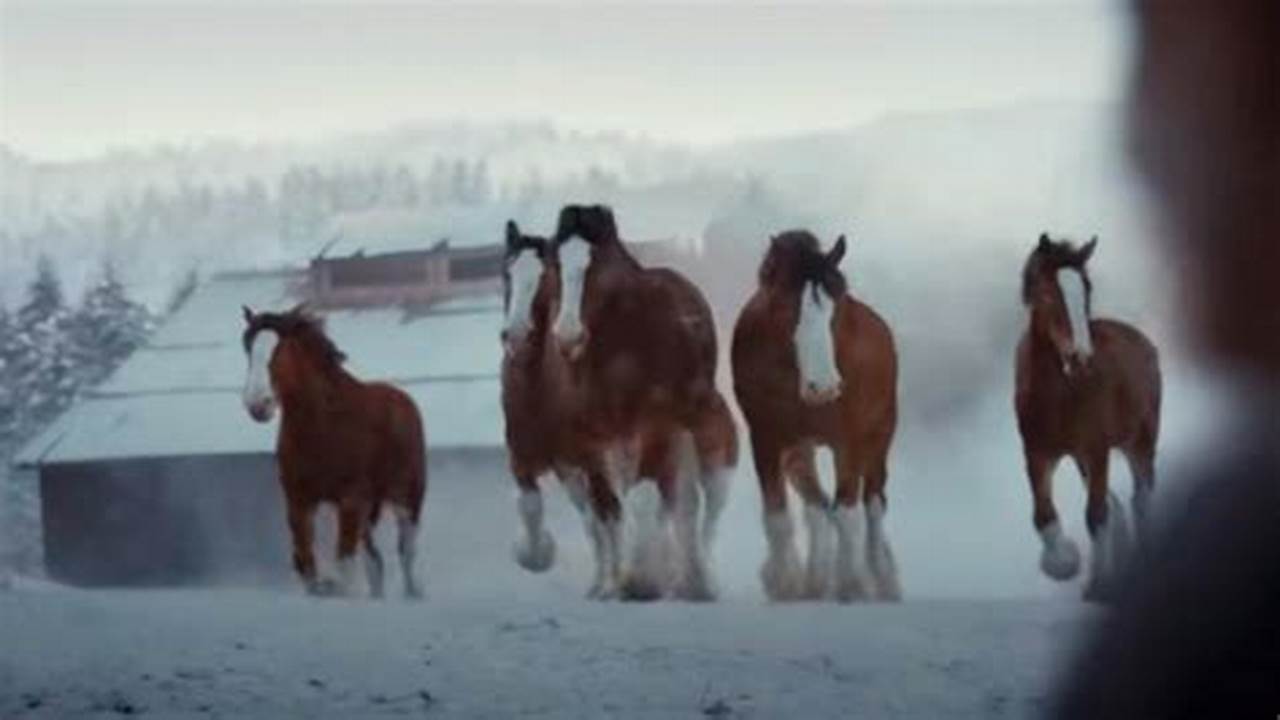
(8, 381)
(42, 360)
(106, 328)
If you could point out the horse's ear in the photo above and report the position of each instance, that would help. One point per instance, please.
(1044, 241)
(513, 235)
(1086, 252)
(248, 314)
(837, 253)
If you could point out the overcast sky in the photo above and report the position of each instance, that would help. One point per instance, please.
(76, 78)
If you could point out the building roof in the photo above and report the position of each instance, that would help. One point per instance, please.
(180, 394)
(644, 215)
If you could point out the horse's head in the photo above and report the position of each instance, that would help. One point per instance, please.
(583, 232)
(528, 274)
(1057, 291)
(810, 283)
(281, 348)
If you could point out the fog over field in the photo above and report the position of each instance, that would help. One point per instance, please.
(173, 142)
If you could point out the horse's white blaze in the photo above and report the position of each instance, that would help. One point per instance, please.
(257, 385)
(1076, 296)
(815, 348)
(525, 271)
(575, 257)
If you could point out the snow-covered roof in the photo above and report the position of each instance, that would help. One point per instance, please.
(642, 216)
(180, 394)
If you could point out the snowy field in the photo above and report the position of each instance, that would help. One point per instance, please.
(526, 653)
(981, 633)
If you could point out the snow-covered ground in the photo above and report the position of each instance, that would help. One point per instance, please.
(981, 634)
(254, 653)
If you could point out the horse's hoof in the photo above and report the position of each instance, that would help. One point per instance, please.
(888, 590)
(1061, 560)
(781, 583)
(413, 593)
(854, 588)
(639, 588)
(325, 587)
(536, 556)
(1101, 592)
(694, 592)
(815, 587)
(602, 592)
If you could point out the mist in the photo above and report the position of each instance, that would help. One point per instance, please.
(941, 138)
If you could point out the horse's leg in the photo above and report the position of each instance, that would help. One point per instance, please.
(803, 473)
(695, 581)
(1104, 516)
(373, 567)
(1059, 557)
(535, 550)
(302, 532)
(853, 582)
(1142, 467)
(407, 548)
(352, 515)
(716, 455)
(879, 554)
(606, 513)
(650, 505)
(780, 573)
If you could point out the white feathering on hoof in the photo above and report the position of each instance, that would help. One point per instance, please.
(817, 581)
(647, 574)
(535, 551)
(853, 582)
(695, 583)
(781, 574)
(715, 490)
(1060, 558)
(880, 555)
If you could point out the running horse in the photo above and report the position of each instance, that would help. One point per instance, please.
(641, 342)
(354, 444)
(547, 432)
(814, 366)
(1083, 387)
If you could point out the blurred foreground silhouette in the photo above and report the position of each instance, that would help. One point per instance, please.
(1198, 632)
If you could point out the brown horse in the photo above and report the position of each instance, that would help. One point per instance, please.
(1084, 386)
(548, 430)
(814, 366)
(642, 342)
(342, 441)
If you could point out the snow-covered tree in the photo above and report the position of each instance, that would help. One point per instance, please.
(41, 355)
(106, 328)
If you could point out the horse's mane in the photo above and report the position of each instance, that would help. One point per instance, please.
(596, 225)
(1055, 254)
(302, 324)
(799, 252)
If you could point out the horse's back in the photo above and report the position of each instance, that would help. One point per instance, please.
(689, 309)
